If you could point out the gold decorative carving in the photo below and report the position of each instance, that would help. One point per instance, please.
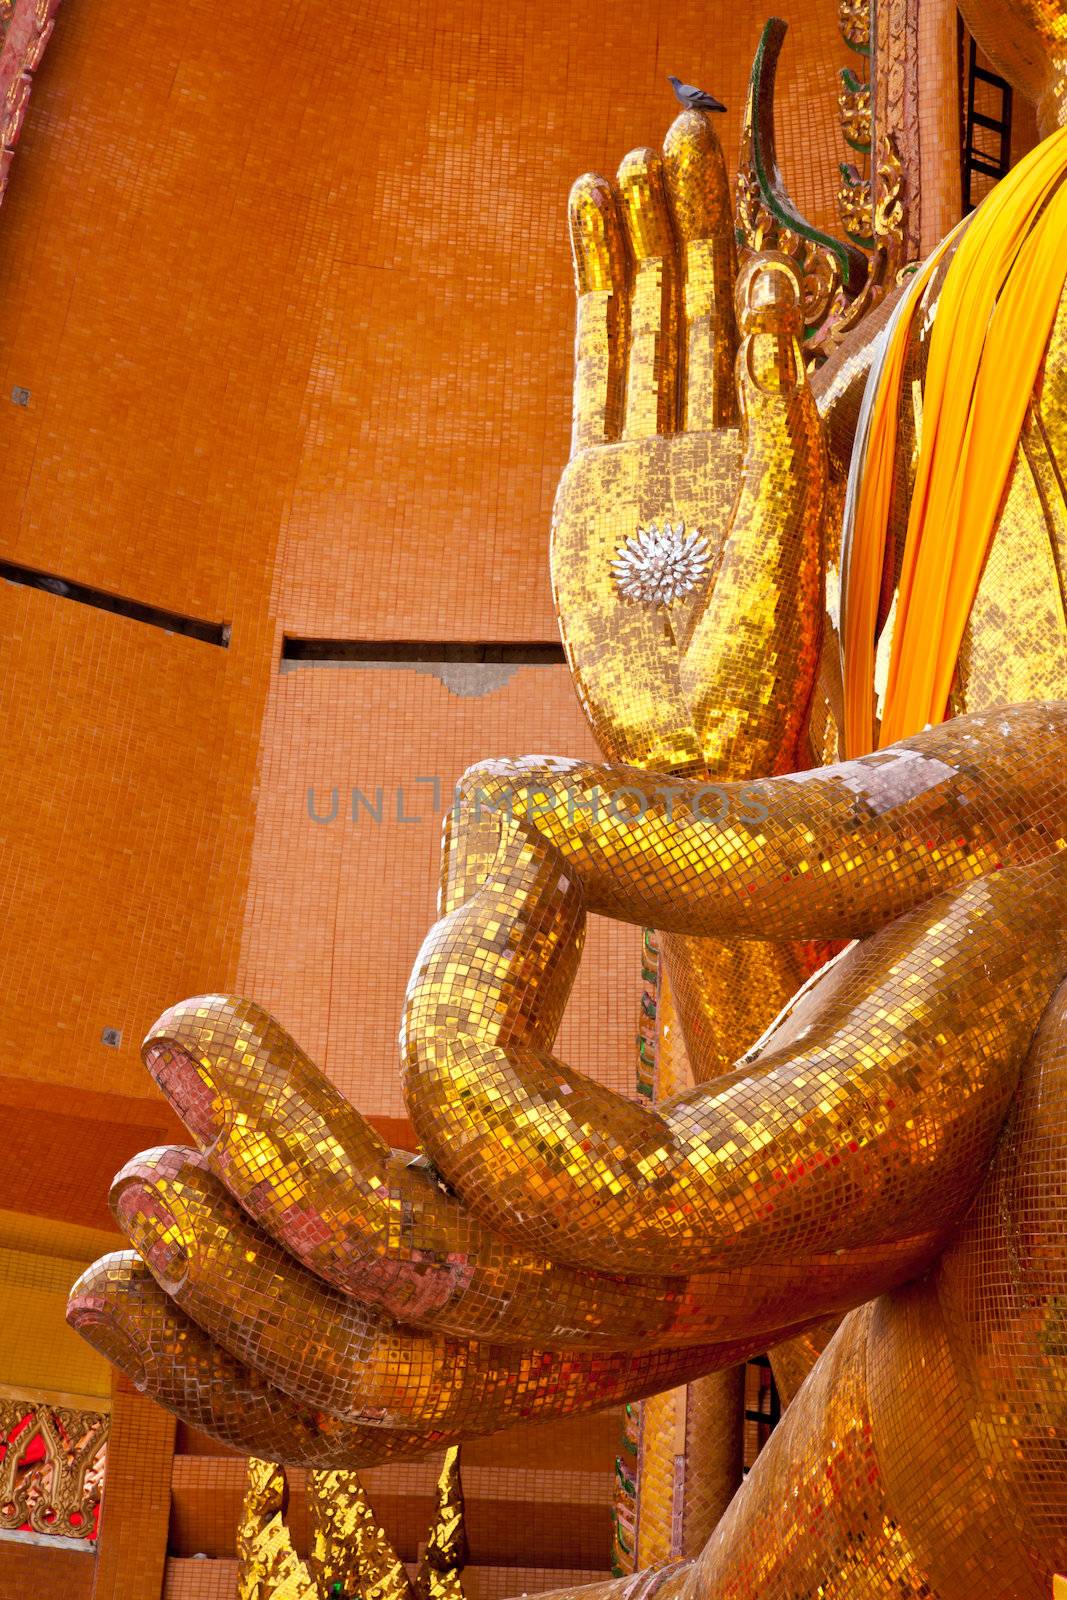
(854, 20)
(854, 105)
(872, 203)
(52, 1471)
(855, 206)
(268, 1567)
(896, 105)
(351, 1553)
(887, 258)
(445, 1557)
(767, 219)
(855, 202)
(889, 202)
(872, 209)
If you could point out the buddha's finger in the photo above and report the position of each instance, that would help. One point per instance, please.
(301, 1160)
(652, 365)
(760, 622)
(703, 214)
(601, 276)
(117, 1306)
(325, 1351)
(375, 1223)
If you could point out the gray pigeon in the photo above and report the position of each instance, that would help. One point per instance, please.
(692, 98)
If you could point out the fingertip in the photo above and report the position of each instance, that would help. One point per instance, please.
(191, 1020)
(643, 188)
(770, 316)
(596, 235)
(97, 1311)
(691, 127)
(153, 1217)
(200, 1048)
(770, 296)
(636, 162)
(159, 1161)
(696, 177)
(116, 1342)
(185, 1078)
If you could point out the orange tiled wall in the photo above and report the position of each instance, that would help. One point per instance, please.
(30, 1570)
(135, 1512)
(119, 807)
(336, 911)
(290, 292)
(302, 268)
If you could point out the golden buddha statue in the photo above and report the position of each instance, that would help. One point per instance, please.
(882, 1142)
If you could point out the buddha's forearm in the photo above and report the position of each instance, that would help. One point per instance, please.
(829, 854)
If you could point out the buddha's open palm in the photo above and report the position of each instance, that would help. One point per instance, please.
(694, 651)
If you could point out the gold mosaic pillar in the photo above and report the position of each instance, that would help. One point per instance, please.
(268, 1565)
(689, 1439)
(351, 1553)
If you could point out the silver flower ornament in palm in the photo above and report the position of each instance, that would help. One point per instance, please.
(659, 565)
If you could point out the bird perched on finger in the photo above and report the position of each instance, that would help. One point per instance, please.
(692, 98)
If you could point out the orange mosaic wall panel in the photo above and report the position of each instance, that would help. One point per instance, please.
(304, 271)
(140, 251)
(126, 817)
(45, 1574)
(337, 910)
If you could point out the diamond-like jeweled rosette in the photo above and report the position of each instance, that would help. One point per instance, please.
(658, 565)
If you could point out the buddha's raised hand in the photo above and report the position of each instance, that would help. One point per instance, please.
(686, 413)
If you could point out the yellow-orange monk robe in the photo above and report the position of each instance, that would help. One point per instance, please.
(994, 317)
